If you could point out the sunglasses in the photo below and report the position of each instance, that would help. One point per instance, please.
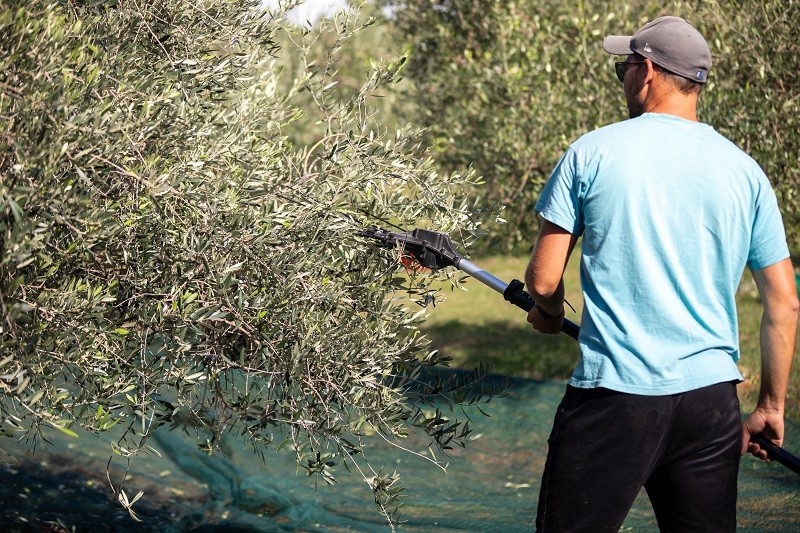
(622, 67)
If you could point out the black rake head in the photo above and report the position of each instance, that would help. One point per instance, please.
(431, 249)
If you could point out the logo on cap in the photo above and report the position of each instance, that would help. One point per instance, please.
(647, 48)
(700, 75)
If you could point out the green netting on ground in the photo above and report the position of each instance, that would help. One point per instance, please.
(492, 486)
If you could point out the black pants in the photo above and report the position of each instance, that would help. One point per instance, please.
(606, 445)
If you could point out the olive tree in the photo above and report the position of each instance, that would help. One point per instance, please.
(169, 258)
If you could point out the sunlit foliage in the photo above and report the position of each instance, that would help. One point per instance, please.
(169, 258)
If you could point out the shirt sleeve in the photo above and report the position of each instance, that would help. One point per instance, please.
(560, 201)
(768, 238)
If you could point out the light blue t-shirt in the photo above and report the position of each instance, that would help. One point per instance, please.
(670, 212)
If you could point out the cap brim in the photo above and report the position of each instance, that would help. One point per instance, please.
(618, 45)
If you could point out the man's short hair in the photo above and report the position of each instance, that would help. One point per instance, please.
(684, 85)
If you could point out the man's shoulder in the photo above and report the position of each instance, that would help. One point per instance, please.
(659, 130)
(616, 134)
(649, 122)
(607, 131)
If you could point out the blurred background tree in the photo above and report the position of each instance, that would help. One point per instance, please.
(505, 87)
(756, 101)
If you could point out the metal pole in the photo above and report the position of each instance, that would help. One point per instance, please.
(481, 275)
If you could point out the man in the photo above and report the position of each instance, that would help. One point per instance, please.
(670, 212)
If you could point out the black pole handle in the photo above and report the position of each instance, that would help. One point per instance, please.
(776, 453)
(515, 294)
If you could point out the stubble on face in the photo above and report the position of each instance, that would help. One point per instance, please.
(633, 96)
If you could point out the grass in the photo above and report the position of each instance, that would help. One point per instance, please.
(477, 325)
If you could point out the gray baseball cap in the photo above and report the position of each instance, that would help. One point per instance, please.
(669, 42)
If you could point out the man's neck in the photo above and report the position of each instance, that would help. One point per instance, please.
(684, 112)
(671, 103)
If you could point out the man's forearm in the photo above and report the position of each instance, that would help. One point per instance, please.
(778, 293)
(552, 304)
(778, 334)
(544, 276)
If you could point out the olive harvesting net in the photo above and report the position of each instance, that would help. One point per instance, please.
(491, 486)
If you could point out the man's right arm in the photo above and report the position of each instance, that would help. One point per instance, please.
(544, 277)
(778, 292)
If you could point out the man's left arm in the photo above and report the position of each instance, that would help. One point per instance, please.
(544, 276)
(776, 286)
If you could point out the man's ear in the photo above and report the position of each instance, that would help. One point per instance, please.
(651, 70)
